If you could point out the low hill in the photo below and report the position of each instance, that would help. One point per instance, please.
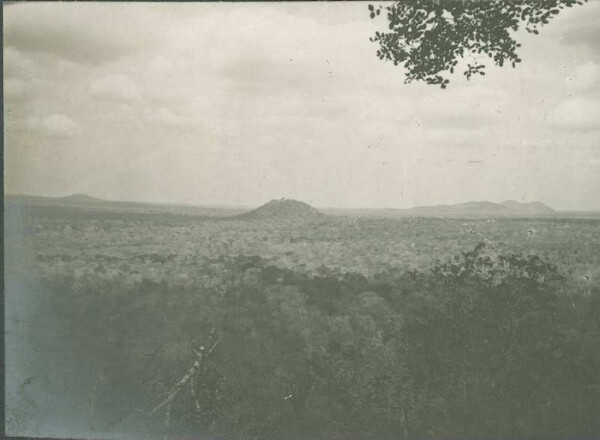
(530, 208)
(74, 199)
(80, 199)
(509, 208)
(95, 205)
(470, 208)
(287, 209)
(477, 209)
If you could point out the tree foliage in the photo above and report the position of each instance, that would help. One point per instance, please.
(484, 344)
(429, 37)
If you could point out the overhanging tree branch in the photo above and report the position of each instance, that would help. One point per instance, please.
(429, 37)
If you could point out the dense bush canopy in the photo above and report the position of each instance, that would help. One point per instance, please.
(480, 345)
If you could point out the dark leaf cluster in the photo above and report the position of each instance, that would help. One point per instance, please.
(429, 37)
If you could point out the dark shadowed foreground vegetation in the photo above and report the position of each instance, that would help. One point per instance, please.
(487, 340)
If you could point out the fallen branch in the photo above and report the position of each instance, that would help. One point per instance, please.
(172, 394)
(175, 390)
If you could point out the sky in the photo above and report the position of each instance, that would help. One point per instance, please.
(237, 104)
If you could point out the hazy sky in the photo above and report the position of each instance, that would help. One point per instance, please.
(242, 103)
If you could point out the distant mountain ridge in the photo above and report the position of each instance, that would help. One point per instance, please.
(73, 199)
(533, 207)
(283, 209)
(80, 198)
(476, 209)
(87, 202)
(483, 208)
(294, 209)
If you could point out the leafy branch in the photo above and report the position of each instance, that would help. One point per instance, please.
(429, 37)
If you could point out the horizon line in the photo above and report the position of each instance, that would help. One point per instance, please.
(231, 206)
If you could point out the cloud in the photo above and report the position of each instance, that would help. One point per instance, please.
(466, 108)
(16, 89)
(586, 76)
(117, 87)
(55, 125)
(90, 35)
(261, 74)
(16, 64)
(457, 121)
(577, 113)
(585, 29)
(166, 117)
